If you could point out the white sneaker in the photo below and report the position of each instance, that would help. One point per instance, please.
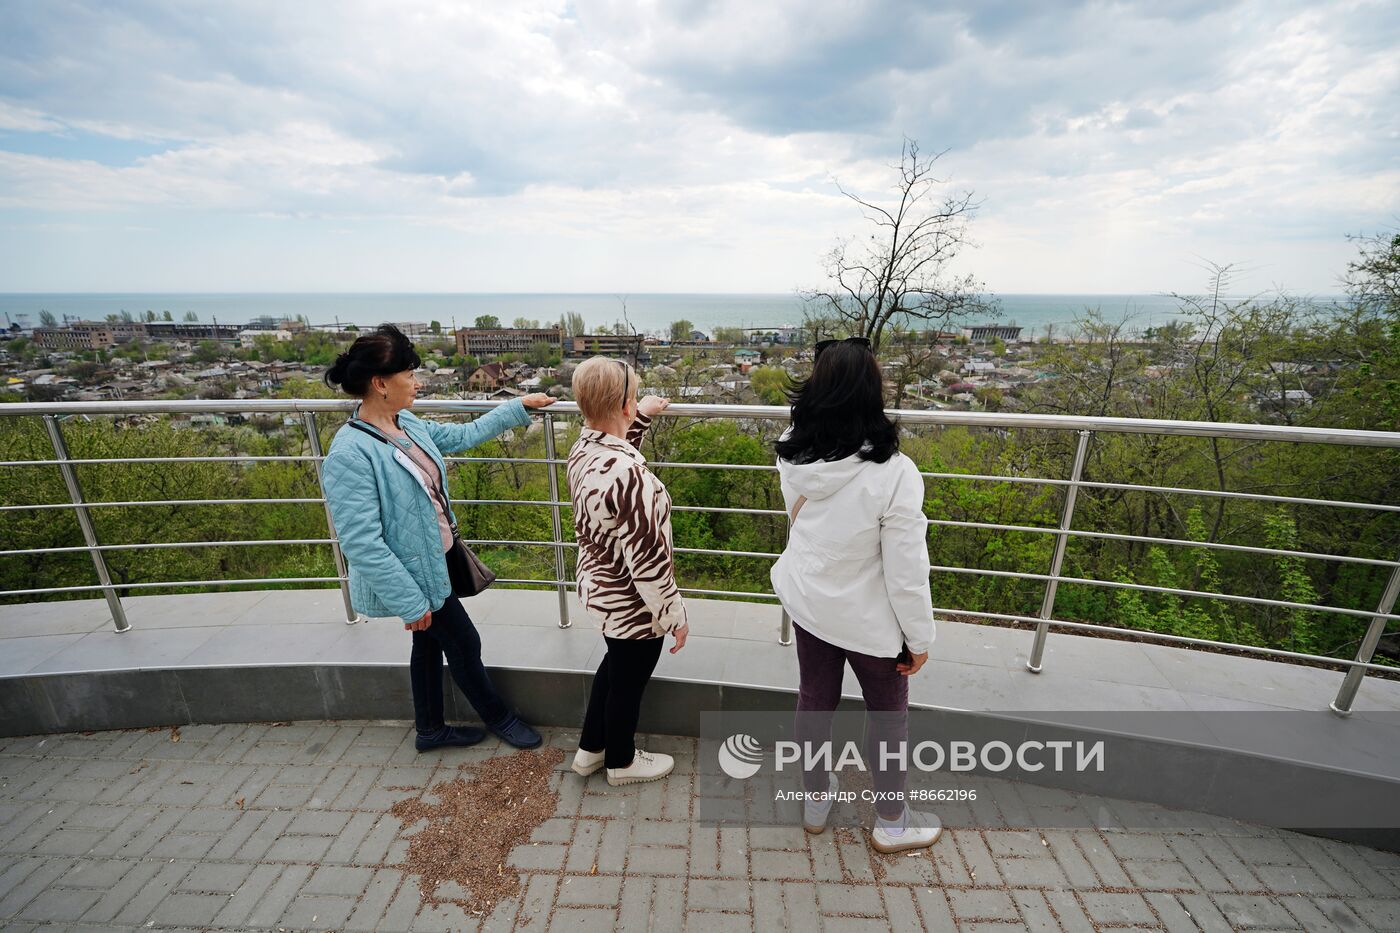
(645, 766)
(585, 763)
(914, 830)
(816, 812)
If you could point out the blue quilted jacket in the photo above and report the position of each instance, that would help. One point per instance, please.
(384, 517)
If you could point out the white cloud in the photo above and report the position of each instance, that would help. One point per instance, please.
(1112, 144)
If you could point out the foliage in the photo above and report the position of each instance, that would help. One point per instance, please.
(1172, 520)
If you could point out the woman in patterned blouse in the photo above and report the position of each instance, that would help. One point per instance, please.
(626, 568)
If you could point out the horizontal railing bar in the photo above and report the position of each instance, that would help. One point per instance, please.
(697, 592)
(81, 549)
(170, 583)
(994, 478)
(270, 542)
(1185, 542)
(125, 505)
(717, 466)
(1182, 490)
(1168, 591)
(96, 460)
(571, 584)
(1163, 637)
(727, 511)
(544, 502)
(1006, 420)
(564, 504)
(522, 543)
(1254, 496)
(724, 553)
(541, 460)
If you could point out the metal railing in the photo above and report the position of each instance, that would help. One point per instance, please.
(1085, 427)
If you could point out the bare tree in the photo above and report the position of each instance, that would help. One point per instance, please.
(902, 274)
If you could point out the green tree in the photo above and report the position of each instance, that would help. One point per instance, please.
(435, 327)
(541, 351)
(770, 383)
(680, 330)
(47, 319)
(167, 316)
(487, 321)
(572, 324)
(207, 351)
(190, 317)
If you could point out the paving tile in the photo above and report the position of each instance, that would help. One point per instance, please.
(121, 842)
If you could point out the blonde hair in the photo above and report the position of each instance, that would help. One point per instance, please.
(602, 387)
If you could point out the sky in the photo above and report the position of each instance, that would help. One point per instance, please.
(690, 146)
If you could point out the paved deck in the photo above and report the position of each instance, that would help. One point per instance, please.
(971, 667)
(133, 831)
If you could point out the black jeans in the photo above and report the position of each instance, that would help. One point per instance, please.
(615, 704)
(452, 634)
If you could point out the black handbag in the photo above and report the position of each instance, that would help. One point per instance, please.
(469, 575)
(465, 571)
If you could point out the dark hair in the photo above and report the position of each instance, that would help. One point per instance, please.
(840, 409)
(383, 352)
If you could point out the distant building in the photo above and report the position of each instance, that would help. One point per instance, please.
(1288, 398)
(626, 346)
(982, 333)
(495, 341)
(978, 367)
(192, 330)
(248, 338)
(747, 356)
(82, 336)
(787, 333)
(486, 378)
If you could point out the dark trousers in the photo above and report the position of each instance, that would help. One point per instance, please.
(451, 635)
(821, 666)
(615, 703)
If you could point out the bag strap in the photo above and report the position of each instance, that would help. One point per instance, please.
(797, 507)
(437, 492)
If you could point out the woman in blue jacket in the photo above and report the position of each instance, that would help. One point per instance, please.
(386, 485)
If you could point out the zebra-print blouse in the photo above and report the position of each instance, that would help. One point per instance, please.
(622, 519)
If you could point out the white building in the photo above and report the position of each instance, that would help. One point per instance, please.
(246, 338)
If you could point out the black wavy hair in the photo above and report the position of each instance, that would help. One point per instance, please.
(840, 409)
(382, 352)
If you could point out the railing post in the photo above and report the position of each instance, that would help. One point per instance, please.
(560, 565)
(313, 437)
(75, 492)
(1047, 605)
(1352, 682)
(785, 634)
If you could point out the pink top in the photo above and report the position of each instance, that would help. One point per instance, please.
(428, 468)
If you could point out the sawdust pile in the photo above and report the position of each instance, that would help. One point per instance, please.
(474, 825)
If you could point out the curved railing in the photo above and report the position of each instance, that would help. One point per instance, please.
(1085, 429)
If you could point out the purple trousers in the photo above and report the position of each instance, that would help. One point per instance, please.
(821, 666)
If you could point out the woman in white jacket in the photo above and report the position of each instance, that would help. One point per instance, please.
(854, 576)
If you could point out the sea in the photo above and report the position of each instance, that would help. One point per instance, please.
(647, 313)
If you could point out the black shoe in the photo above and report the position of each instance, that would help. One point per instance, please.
(517, 732)
(449, 736)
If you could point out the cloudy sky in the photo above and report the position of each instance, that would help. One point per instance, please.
(683, 146)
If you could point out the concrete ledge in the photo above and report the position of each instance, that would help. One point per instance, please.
(284, 655)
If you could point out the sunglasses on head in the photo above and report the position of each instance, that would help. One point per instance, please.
(626, 375)
(823, 344)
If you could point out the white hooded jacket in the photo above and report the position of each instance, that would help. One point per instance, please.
(855, 571)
